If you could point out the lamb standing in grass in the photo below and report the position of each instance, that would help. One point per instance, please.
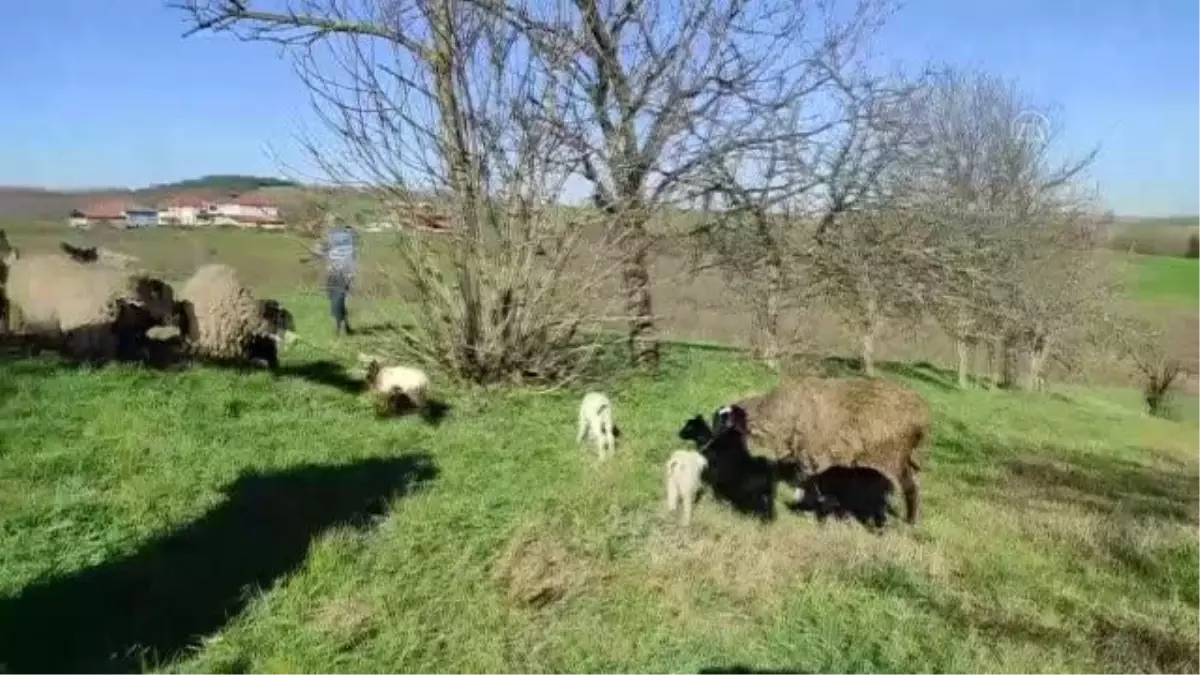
(395, 387)
(596, 421)
(683, 471)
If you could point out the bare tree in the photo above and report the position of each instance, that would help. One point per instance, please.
(828, 144)
(1158, 358)
(643, 83)
(435, 100)
(1016, 235)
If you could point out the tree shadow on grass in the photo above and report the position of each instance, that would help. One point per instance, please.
(377, 328)
(1099, 481)
(743, 668)
(1111, 485)
(151, 606)
(1123, 641)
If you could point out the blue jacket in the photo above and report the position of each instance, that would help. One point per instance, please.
(341, 250)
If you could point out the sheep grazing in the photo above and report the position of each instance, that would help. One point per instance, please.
(396, 389)
(683, 477)
(822, 422)
(742, 480)
(97, 311)
(279, 321)
(858, 491)
(78, 254)
(222, 321)
(596, 422)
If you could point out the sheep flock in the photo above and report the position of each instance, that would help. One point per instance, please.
(843, 445)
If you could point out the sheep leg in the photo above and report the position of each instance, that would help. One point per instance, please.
(688, 501)
(912, 497)
(583, 428)
(672, 490)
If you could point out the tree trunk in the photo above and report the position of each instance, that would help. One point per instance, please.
(964, 366)
(1010, 366)
(635, 281)
(870, 327)
(1025, 355)
(768, 329)
(1039, 350)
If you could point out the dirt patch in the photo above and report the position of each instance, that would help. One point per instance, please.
(537, 569)
(344, 618)
(748, 564)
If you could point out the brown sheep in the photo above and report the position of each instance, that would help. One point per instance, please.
(815, 423)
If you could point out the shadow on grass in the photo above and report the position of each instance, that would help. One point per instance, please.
(1096, 481)
(151, 606)
(377, 328)
(1121, 640)
(742, 668)
(1110, 485)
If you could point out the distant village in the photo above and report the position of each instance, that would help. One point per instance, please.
(250, 210)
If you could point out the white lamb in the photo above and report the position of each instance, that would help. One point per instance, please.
(682, 476)
(596, 421)
(394, 385)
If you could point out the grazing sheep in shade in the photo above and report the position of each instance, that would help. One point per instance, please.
(683, 473)
(78, 254)
(396, 388)
(858, 491)
(822, 422)
(596, 422)
(742, 480)
(55, 297)
(224, 322)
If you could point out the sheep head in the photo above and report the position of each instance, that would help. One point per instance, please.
(696, 430)
(157, 297)
(278, 321)
(731, 416)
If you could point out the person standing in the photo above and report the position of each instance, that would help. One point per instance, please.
(340, 251)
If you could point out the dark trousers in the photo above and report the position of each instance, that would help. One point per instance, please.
(337, 285)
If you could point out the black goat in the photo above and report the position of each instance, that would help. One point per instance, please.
(697, 431)
(744, 481)
(858, 491)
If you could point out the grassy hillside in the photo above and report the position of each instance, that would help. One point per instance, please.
(1169, 236)
(1169, 280)
(1060, 533)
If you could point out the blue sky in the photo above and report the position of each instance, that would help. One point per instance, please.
(108, 94)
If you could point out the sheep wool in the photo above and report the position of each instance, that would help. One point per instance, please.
(596, 421)
(393, 385)
(224, 316)
(55, 296)
(683, 481)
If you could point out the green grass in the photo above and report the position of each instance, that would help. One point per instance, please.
(198, 515)
(1170, 280)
